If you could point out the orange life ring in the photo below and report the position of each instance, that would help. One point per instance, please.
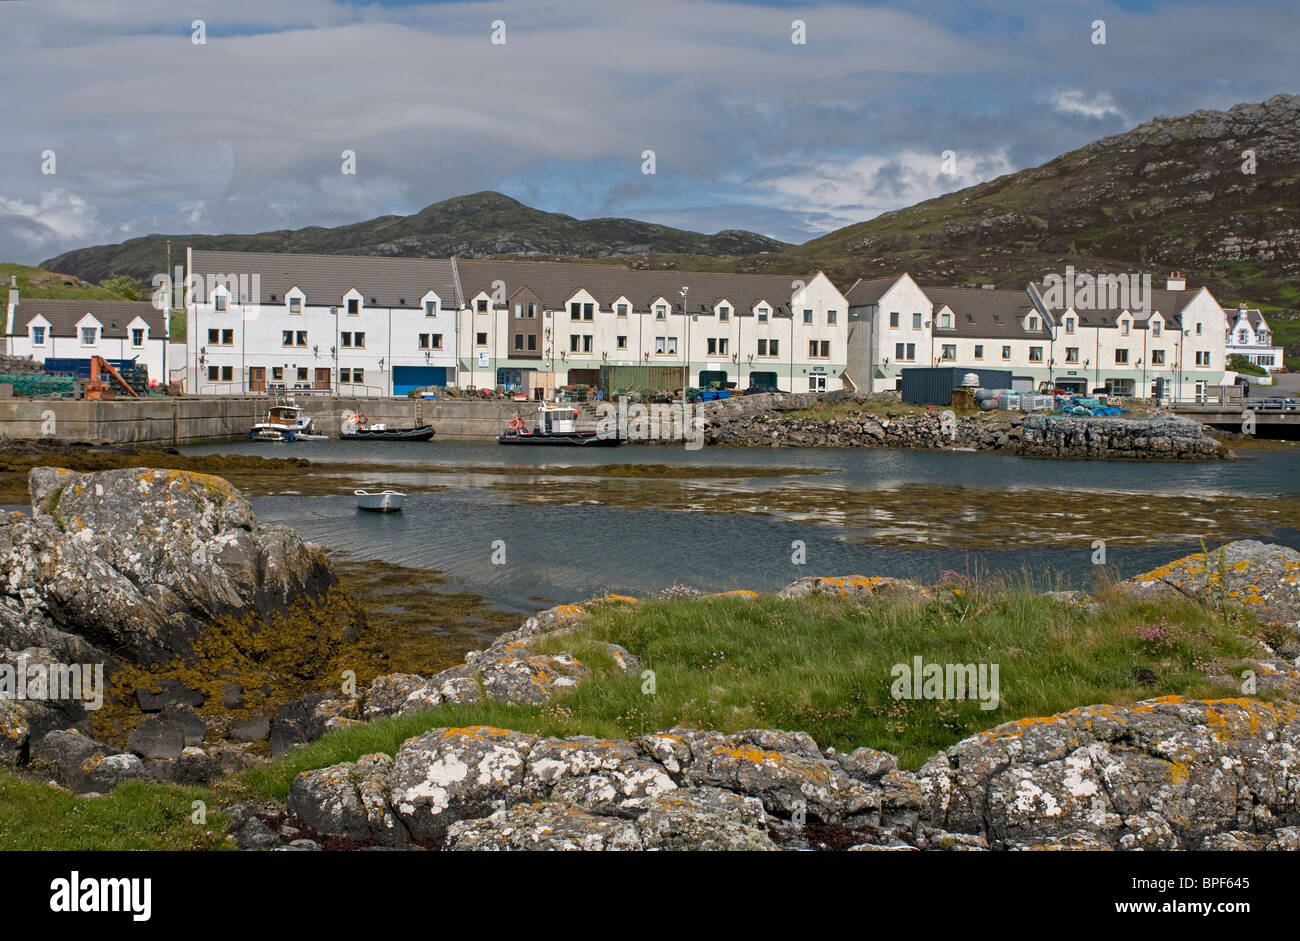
(517, 424)
(354, 420)
(362, 420)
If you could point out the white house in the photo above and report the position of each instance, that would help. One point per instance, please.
(1248, 335)
(347, 325)
(72, 331)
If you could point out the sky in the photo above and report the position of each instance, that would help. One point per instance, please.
(147, 130)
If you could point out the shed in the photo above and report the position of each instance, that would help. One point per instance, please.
(933, 385)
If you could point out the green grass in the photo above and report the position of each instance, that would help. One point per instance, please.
(37, 282)
(134, 816)
(823, 665)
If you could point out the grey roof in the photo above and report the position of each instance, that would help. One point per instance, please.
(392, 282)
(1253, 316)
(1169, 304)
(865, 293)
(63, 316)
(556, 282)
(980, 313)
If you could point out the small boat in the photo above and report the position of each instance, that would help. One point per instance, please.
(386, 501)
(358, 428)
(556, 425)
(285, 423)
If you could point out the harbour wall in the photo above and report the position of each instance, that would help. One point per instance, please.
(189, 420)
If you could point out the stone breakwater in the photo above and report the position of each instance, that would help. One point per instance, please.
(1167, 773)
(760, 421)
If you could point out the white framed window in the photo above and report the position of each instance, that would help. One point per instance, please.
(762, 315)
(1035, 354)
(137, 337)
(1121, 357)
(295, 305)
(89, 336)
(38, 336)
(220, 302)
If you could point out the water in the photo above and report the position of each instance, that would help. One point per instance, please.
(568, 552)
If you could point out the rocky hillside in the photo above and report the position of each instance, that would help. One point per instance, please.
(1168, 195)
(469, 226)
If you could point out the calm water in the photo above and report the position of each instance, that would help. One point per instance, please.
(567, 552)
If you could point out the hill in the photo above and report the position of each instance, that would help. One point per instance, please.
(478, 225)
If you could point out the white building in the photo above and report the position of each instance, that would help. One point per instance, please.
(327, 323)
(1248, 335)
(72, 331)
(1170, 347)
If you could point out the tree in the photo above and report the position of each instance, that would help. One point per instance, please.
(128, 287)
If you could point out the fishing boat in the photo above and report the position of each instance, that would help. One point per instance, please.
(358, 428)
(386, 501)
(285, 423)
(555, 425)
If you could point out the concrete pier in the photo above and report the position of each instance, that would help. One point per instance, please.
(192, 419)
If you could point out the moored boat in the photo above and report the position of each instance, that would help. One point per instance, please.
(358, 428)
(555, 425)
(386, 501)
(285, 423)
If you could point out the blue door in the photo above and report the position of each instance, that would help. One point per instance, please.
(408, 378)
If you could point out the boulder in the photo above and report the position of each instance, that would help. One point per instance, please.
(167, 734)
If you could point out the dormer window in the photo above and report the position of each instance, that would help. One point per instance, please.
(431, 308)
(762, 315)
(724, 313)
(480, 305)
(1069, 324)
(1124, 326)
(295, 305)
(661, 311)
(1033, 323)
(220, 302)
(38, 336)
(945, 321)
(1155, 328)
(137, 337)
(89, 336)
(354, 305)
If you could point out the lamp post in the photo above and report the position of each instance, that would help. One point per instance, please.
(686, 349)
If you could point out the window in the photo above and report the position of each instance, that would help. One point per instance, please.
(286, 337)
(214, 337)
(214, 373)
(295, 305)
(717, 346)
(722, 346)
(621, 342)
(532, 342)
(818, 349)
(1035, 354)
(358, 375)
(979, 350)
(949, 351)
(480, 305)
(574, 339)
(1155, 328)
(1198, 329)
(1006, 352)
(431, 308)
(519, 341)
(228, 338)
(519, 310)
(945, 321)
(89, 335)
(1121, 357)
(1123, 327)
(911, 351)
(831, 316)
(893, 319)
(724, 313)
(575, 311)
(480, 339)
(359, 340)
(660, 312)
(773, 347)
(659, 344)
(220, 302)
(38, 336)
(354, 305)
(1202, 358)
(713, 346)
(345, 375)
(1157, 357)
(430, 341)
(588, 311)
(807, 316)
(1033, 323)
(586, 342)
(672, 344)
(900, 350)
(227, 373)
(762, 315)
(916, 321)
(1071, 354)
(621, 310)
(1069, 324)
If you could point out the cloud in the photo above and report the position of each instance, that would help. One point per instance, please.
(1074, 101)
(58, 221)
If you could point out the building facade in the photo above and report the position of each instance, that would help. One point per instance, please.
(1248, 335)
(61, 333)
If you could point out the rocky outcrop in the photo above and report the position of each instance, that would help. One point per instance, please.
(760, 421)
(1261, 577)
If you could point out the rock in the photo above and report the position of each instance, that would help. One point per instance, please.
(107, 772)
(1262, 578)
(173, 693)
(855, 587)
(446, 775)
(597, 774)
(255, 835)
(15, 732)
(396, 693)
(867, 764)
(552, 826)
(68, 754)
(701, 818)
(255, 729)
(296, 724)
(232, 695)
(347, 800)
(531, 679)
(195, 766)
(167, 734)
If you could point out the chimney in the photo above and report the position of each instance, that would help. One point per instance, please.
(1176, 282)
(13, 291)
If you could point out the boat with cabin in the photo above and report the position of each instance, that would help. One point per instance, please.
(286, 422)
(556, 425)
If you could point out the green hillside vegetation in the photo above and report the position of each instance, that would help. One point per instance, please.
(39, 282)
